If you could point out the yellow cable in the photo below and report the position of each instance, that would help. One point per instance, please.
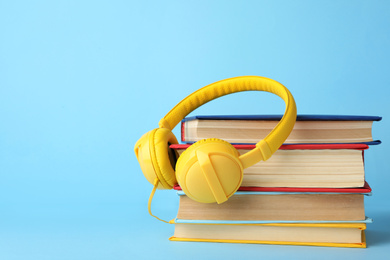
(150, 201)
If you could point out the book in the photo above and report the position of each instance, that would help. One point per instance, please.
(277, 206)
(253, 128)
(305, 166)
(366, 189)
(309, 234)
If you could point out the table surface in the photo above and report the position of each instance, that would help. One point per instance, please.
(114, 231)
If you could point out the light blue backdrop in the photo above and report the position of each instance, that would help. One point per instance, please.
(81, 81)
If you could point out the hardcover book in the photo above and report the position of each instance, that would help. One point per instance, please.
(277, 206)
(308, 234)
(305, 166)
(307, 129)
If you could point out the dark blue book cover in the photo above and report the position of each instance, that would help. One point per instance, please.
(278, 117)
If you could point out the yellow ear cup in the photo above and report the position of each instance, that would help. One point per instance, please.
(209, 171)
(155, 157)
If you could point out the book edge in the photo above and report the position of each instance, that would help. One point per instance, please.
(361, 224)
(300, 117)
(350, 245)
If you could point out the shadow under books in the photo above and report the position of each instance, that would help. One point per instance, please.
(378, 233)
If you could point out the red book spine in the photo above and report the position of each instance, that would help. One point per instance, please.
(291, 146)
(365, 189)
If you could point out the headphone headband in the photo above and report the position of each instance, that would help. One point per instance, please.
(267, 146)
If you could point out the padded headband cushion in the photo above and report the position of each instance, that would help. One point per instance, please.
(161, 138)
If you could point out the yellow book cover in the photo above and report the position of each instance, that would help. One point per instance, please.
(308, 234)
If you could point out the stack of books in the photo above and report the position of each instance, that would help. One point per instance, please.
(310, 192)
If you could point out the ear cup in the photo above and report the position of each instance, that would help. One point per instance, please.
(209, 171)
(160, 139)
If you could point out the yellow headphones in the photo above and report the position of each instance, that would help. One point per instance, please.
(210, 170)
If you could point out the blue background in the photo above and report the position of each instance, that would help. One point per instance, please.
(81, 81)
